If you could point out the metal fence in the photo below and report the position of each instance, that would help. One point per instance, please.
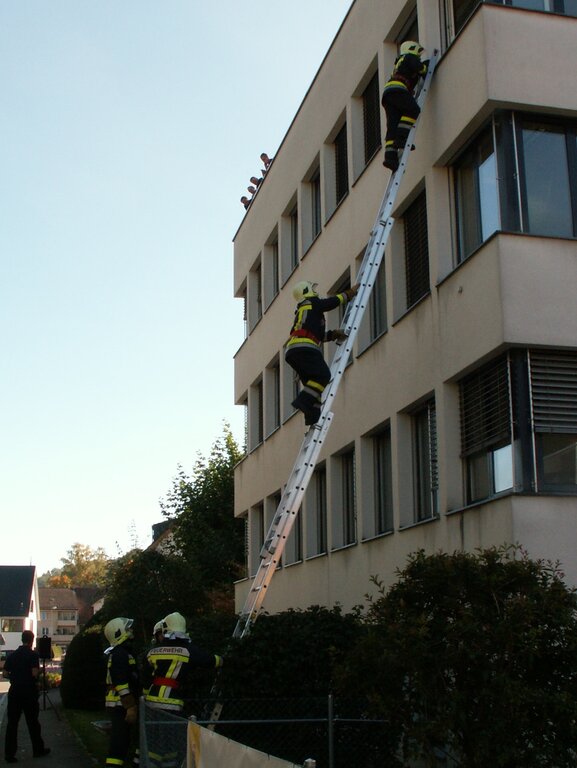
(334, 732)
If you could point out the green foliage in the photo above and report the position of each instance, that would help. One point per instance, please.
(293, 652)
(83, 684)
(474, 655)
(145, 586)
(206, 532)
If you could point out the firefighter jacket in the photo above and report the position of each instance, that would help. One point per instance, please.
(121, 675)
(168, 668)
(406, 73)
(308, 330)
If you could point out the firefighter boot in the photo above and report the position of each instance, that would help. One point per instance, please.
(391, 160)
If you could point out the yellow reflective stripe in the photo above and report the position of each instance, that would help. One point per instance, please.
(407, 119)
(396, 82)
(301, 340)
(315, 385)
(302, 310)
(114, 761)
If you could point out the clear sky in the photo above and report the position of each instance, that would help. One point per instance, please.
(129, 130)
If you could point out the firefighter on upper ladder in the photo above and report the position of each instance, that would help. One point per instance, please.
(303, 350)
(399, 102)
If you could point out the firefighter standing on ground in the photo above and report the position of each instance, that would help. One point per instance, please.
(169, 663)
(123, 690)
(303, 350)
(399, 102)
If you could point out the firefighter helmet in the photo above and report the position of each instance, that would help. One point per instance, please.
(118, 630)
(305, 290)
(410, 46)
(174, 622)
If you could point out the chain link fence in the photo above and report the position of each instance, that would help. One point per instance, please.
(334, 732)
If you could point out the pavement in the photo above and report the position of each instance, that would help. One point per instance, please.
(66, 750)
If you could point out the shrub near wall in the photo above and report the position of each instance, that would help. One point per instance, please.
(83, 683)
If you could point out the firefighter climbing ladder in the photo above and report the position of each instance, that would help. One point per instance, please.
(298, 481)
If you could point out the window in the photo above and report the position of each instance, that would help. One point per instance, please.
(294, 237)
(316, 204)
(486, 438)
(519, 424)
(463, 9)
(294, 543)
(255, 413)
(371, 117)
(477, 194)
(554, 392)
(290, 389)
(547, 172)
(378, 305)
(425, 469)
(12, 625)
(289, 240)
(270, 270)
(317, 513)
(256, 537)
(416, 250)
(383, 490)
(519, 175)
(344, 530)
(255, 295)
(272, 414)
(341, 164)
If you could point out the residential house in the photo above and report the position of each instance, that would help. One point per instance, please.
(19, 604)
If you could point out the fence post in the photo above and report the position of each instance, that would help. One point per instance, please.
(142, 738)
(331, 731)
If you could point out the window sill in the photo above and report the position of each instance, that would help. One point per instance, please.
(376, 536)
(411, 308)
(419, 522)
(343, 547)
(316, 556)
(484, 502)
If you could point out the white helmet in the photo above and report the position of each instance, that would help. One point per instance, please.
(174, 622)
(305, 290)
(118, 630)
(410, 46)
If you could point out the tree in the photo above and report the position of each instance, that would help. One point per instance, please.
(205, 531)
(146, 586)
(84, 566)
(473, 656)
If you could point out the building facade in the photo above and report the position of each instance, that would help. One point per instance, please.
(455, 424)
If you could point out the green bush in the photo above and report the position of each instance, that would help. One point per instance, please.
(83, 684)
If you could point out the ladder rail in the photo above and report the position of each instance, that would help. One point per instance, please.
(296, 486)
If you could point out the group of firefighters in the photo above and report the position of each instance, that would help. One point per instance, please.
(163, 679)
(304, 350)
(172, 655)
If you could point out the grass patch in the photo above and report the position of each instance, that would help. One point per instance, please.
(95, 742)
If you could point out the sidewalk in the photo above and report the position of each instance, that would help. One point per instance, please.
(66, 751)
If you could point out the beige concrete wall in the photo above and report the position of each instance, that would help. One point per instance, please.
(513, 290)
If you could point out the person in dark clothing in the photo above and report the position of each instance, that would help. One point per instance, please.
(303, 350)
(400, 105)
(22, 669)
(123, 690)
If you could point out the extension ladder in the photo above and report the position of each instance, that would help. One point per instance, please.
(298, 481)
